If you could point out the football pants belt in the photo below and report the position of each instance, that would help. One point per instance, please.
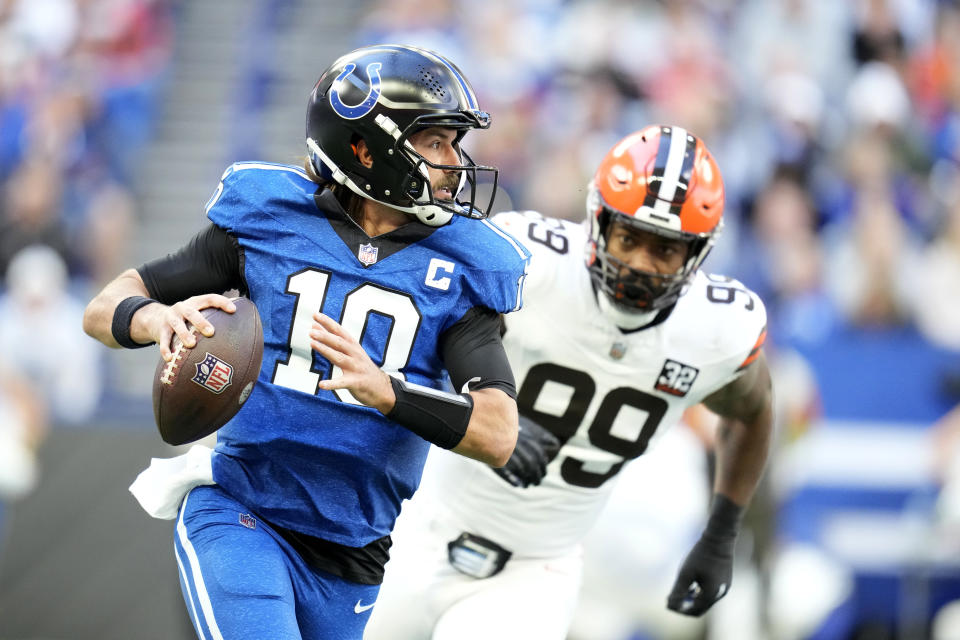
(476, 556)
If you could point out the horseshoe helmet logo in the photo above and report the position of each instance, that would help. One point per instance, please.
(366, 105)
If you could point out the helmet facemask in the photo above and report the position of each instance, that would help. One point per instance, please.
(420, 191)
(634, 290)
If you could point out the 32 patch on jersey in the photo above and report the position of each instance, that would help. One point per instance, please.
(676, 378)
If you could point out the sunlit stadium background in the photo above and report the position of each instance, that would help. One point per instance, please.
(836, 124)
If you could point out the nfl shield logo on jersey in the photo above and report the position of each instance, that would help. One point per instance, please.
(367, 254)
(213, 373)
(618, 350)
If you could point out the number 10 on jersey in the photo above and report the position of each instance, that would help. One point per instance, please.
(311, 287)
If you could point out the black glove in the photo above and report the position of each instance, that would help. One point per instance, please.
(536, 447)
(707, 571)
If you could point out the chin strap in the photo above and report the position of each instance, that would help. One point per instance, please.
(429, 214)
(432, 215)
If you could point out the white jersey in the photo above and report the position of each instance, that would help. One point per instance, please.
(608, 395)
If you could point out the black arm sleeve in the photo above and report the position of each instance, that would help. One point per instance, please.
(472, 348)
(211, 262)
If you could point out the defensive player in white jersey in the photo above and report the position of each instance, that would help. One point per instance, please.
(607, 357)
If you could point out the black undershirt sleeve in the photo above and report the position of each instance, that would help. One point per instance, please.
(471, 348)
(211, 262)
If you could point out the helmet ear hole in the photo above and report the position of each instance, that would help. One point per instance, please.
(362, 152)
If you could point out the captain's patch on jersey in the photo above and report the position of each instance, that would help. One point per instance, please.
(676, 378)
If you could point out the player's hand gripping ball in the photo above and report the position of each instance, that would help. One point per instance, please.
(202, 387)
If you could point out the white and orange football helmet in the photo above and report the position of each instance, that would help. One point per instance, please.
(662, 180)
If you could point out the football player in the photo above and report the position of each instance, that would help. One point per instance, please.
(373, 259)
(607, 356)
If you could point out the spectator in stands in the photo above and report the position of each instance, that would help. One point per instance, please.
(79, 84)
(877, 34)
(871, 250)
(781, 255)
(937, 279)
(23, 426)
(62, 365)
(30, 212)
(127, 47)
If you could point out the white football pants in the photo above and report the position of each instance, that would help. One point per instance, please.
(424, 598)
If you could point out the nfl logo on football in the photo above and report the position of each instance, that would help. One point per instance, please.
(213, 373)
(367, 254)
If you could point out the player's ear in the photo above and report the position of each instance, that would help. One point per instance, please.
(362, 152)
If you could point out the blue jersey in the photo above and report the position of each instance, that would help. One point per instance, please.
(317, 461)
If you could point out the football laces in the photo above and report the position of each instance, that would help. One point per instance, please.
(170, 371)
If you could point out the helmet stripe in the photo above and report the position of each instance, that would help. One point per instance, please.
(670, 179)
(659, 165)
(671, 174)
(689, 156)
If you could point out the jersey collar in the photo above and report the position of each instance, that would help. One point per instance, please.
(355, 238)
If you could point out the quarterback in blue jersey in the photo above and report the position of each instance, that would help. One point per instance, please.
(376, 277)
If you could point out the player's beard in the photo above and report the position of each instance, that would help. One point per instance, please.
(450, 182)
(636, 288)
(623, 318)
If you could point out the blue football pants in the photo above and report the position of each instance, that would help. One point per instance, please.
(241, 580)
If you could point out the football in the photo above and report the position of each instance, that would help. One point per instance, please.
(201, 388)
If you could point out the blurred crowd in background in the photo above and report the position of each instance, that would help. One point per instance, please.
(836, 125)
(80, 86)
